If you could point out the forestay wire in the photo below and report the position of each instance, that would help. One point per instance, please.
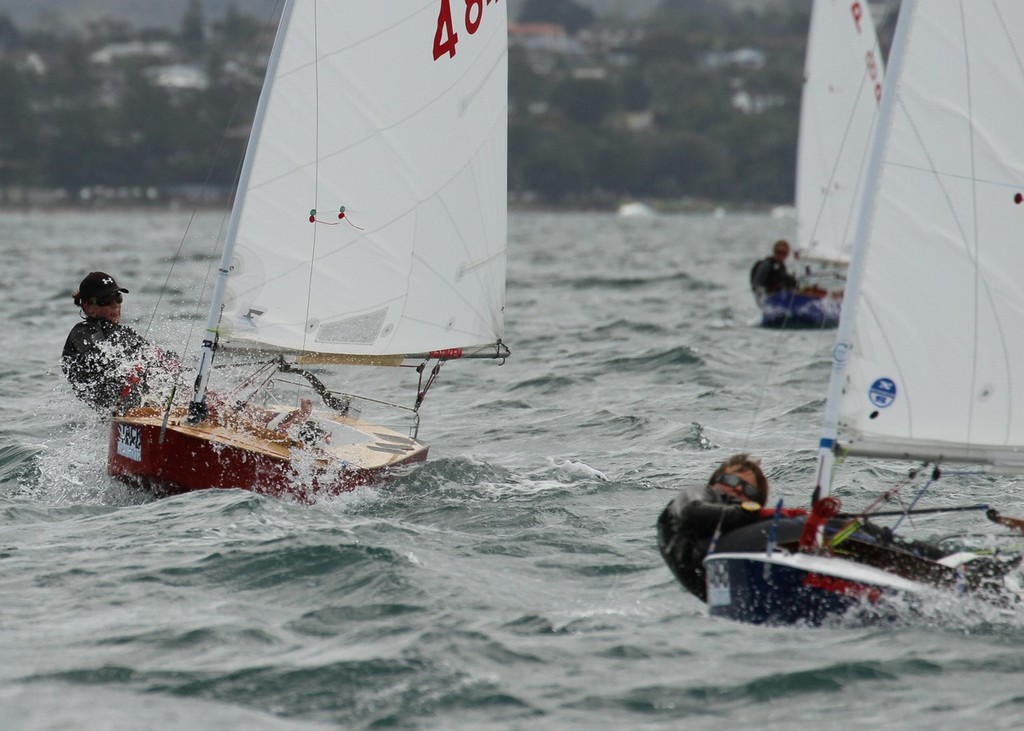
(218, 152)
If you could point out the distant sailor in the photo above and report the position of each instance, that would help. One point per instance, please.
(770, 276)
(109, 365)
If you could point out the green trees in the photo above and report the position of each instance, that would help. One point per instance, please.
(649, 111)
(193, 29)
(18, 124)
(80, 123)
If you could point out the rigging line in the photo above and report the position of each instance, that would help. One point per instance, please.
(316, 165)
(853, 523)
(932, 170)
(923, 511)
(936, 473)
(773, 361)
(379, 132)
(980, 285)
(221, 144)
(1008, 37)
(254, 383)
(974, 226)
(835, 167)
(275, 11)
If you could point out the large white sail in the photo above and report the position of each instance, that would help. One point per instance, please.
(839, 105)
(935, 351)
(395, 113)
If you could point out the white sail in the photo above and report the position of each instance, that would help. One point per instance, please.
(935, 353)
(839, 105)
(395, 113)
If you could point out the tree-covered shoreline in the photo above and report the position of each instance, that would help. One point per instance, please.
(694, 106)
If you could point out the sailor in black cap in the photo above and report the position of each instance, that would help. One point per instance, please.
(108, 364)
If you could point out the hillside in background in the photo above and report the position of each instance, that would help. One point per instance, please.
(697, 102)
(63, 15)
(68, 14)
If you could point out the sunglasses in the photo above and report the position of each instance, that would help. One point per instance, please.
(107, 301)
(749, 491)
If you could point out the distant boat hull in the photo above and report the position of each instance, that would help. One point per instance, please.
(801, 310)
(636, 209)
(341, 454)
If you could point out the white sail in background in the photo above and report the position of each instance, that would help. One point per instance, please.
(838, 110)
(394, 111)
(935, 352)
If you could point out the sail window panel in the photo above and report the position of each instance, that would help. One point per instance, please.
(362, 329)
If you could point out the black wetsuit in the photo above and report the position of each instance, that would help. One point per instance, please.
(108, 365)
(769, 276)
(687, 525)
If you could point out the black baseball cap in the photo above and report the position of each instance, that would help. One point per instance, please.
(98, 285)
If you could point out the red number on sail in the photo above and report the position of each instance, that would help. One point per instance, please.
(858, 13)
(473, 24)
(872, 65)
(445, 36)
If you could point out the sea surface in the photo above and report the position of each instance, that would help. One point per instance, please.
(513, 580)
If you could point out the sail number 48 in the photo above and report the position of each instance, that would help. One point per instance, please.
(445, 37)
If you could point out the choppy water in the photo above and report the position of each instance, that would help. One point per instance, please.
(512, 582)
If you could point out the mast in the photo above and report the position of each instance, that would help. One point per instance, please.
(197, 407)
(830, 426)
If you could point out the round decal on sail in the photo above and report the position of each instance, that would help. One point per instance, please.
(882, 392)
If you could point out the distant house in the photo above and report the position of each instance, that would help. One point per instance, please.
(761, 7)
(29, 61)
(523, 33)
(549, 38)
(538, 108)
(642, 121)
(113, 52)
(746, 103)
(589, 73)
(178, 77)
(745, 58)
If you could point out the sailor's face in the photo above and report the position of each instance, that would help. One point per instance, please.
(111, 310)
(737, 491)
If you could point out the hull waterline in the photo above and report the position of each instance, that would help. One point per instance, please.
(786, 589)
(182, 457)
(793, 310)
